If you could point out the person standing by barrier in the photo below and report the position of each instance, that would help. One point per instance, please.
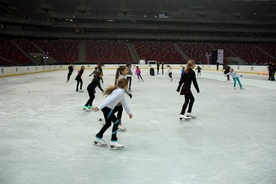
(158, 66)
(162, 68)
(170, 72)
(70, 71)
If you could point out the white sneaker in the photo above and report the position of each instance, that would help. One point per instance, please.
(235, 88)
(101, 121)
(121, 128)
(115, 144)
(99, 141)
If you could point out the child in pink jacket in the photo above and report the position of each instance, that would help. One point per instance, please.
(138, 73)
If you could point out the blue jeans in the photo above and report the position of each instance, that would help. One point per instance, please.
(237, 79)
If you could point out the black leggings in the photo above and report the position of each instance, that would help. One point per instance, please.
(109, 117)
(68, 76)
(91, 98)
(189, 99)
(129, 82)
(79, 81)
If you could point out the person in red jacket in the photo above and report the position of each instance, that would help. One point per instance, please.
(184, 87)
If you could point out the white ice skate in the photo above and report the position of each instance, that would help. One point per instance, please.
(100, 142)
(191, 115)
(121, 128)
(101, 121)
(116, 145)
(183, 117)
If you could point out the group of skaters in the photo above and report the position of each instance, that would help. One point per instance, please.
(228, 71)
(114, 104)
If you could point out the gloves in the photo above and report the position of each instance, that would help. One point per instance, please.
(130, 96)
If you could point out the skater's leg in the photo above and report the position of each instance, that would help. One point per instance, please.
(81, 83)
(238, 79)
(234, 82)
(185, 104)
(129, 82)
(77, 88)
(107, 112)
(192, 100)
(68, 76)
(91, 98)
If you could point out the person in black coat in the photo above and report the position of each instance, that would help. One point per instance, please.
(70, 71)
(91, 90)
(184, 88)
(226, 69)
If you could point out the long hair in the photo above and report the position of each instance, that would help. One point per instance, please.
(119, 72)
(120, 84)
(190, 64)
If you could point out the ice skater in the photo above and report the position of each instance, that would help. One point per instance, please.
(99, 67)
(91, 91)
(129, 76)
(170, 72)
(95, 72)
(198, 70)
(115, 96)
(121, 73)
(70, 71)
(138, 73)
(235, 78)
(185, 82)
(79, 79)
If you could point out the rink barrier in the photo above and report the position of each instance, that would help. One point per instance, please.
(24, 70)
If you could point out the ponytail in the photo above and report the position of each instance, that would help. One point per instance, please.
(121, 83)
(189, 65)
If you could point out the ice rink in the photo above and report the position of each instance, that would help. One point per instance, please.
(46, 137)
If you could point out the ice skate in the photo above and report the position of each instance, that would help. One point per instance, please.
(90, 108)
(191, 115)
(121, 128)
(116, 145)
(183, 117)
(100, 142)
(101, 121)
(85, 108)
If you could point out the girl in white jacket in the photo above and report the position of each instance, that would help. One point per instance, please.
(235, 78)
(115, 95)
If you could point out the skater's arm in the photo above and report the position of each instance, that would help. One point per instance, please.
(180, 83)
(195, 82)
(99, 85)
(125, 105)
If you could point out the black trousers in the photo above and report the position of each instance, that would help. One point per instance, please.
(189, 100)
(91, 98)
(68, 76)
(129, 82)
(79, 82)
(109, 117)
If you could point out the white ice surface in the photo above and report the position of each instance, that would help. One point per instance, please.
(46, 138)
